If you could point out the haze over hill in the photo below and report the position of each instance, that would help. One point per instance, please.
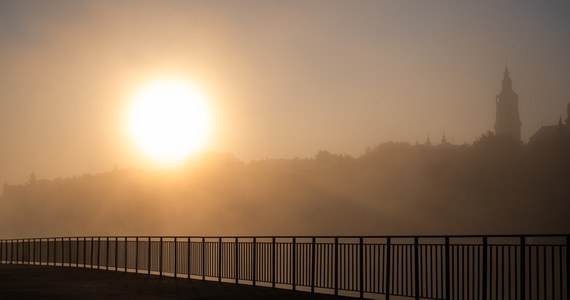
(493, 186)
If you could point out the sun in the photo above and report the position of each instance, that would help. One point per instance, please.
(168, 120)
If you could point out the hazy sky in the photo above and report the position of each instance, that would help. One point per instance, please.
(284, 78)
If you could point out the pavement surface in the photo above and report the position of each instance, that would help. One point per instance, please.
(49, 282)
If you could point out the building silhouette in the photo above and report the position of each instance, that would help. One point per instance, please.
(546, 135)
(507, 121)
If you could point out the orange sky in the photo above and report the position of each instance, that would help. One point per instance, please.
(284, 79)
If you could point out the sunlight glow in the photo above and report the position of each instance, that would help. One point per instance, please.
(168, 120)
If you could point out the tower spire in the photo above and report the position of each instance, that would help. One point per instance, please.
(507, 120)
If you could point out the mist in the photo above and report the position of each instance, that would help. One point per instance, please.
(284, 79)
(492, 186)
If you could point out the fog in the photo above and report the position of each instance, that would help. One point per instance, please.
(284, 80)
(493, 186)
(298, 91)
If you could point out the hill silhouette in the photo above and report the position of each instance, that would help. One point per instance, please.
(492, 186)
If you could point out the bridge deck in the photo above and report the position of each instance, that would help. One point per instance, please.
(47, 282)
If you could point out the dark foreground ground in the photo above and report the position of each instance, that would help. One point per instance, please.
(43, 282)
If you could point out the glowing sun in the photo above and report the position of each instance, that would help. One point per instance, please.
(168, 120)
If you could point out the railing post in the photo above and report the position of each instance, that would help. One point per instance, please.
(137, 255)
(62, 252)
(523, 267)
(160, 258)
(313, 250)
(254, 260)
(189, 255)
(220, 259)
(294, 263)
(237, 260)
(40, 250)
(416, 267)
(69, 251)
(336, 266)
(175, 256)
(361, 267)
(484, 291)
(273, 262)
(98, 252)
(126, 254)
(203, 258)
(149, 255)
(91, 253)
(447, 270)
(92, 248)
(84, 251)
(116, 253)
(388, 263)
(107, 254)
(77, 252)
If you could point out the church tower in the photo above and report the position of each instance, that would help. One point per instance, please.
(507, 121)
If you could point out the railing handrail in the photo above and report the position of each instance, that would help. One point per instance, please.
(429, 236)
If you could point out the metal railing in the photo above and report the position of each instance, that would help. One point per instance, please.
(420, 267)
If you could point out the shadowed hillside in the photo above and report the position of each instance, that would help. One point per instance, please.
(491, 186)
